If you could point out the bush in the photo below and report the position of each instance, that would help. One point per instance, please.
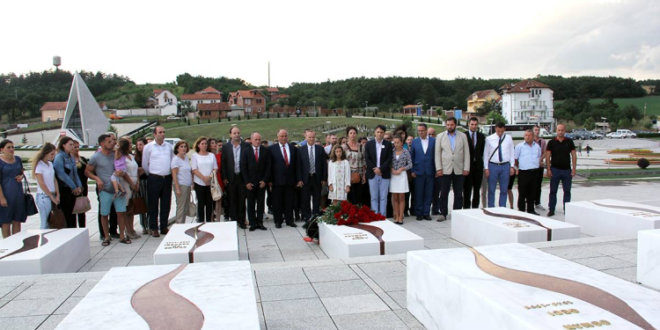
(643, 163)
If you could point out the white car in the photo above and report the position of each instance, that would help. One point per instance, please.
(615, 135)
(622, 134)
(173, 118)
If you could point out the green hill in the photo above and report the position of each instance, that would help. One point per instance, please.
(652, 103)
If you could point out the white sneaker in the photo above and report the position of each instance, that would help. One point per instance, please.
(540, 207)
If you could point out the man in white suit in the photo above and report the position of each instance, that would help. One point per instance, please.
(452, 163)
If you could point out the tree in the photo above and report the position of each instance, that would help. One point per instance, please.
(625, 123)
(589, 123)
(495, 117)
(112, 129)
(488, 107)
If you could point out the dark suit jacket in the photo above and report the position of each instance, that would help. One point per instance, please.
(476, 154)
(321, 165)
(227, 161)
(281, 174)
(385, 159)
(423, 163)
(253, 172)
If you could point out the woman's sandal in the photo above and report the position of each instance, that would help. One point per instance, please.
(106, 242)
(125, 241)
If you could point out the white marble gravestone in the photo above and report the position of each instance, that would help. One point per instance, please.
(476, 227)
(349, 242)
(609, 217)
(197, 242)
(36, 251)
(209, 295)
(513, 286)
(648, 258)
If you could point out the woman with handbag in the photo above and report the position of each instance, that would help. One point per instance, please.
(130, 184)
(182, 178)
(81, 165)
(355, 156)
(67, 179)
(12, 196)
(203, 164)
(139, 147)
(48, 192)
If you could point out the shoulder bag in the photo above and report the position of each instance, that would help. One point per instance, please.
(139, 204)
(216, 191)
(56, 217)
(30, 205)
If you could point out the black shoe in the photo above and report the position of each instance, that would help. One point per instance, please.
(427, 217)
(253, 228)
(278, 225)
(419, 218)
(242, 226)
(262, 227)
(551, 213)
(534, 213)
(292, 225)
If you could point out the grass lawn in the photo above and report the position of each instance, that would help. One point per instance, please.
(652, 103)
(269, 127)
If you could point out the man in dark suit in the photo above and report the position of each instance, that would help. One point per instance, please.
(422, 154)
(312, 172)
(230, 169)
(472, 187)
(284, 178)
(378, 154)
(255, 168)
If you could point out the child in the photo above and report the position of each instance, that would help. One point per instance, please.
(120, 165)
(339, 175)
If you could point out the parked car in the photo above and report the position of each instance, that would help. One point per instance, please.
(627, 133)
(615, 135)
(173, 118)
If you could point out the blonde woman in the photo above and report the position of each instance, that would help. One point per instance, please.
(48, 192)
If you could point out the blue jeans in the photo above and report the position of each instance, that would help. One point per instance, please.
(566, 181)
(44, 205)
(378, 188)
(498, 173)
(423, 195)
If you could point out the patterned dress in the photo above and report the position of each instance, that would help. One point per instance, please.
(13, 191)
(339, 176)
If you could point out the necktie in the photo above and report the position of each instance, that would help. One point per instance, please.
(474, 140)
(312, 169)
(286, 158)
(499, 150)
(256, 154)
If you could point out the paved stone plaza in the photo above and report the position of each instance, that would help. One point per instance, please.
(298, 287)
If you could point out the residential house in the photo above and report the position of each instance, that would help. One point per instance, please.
(208, 95)
(55, 110)
(478, 98)
(166, 102)
(274, 94)
(649, 89)
(252, 101)
(213, 110)
(528, 102)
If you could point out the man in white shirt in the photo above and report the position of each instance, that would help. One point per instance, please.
(156, 160)
(498, 163)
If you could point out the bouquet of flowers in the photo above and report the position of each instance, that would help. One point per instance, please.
(345, 214)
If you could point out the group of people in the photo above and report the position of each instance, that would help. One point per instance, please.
(396, 174)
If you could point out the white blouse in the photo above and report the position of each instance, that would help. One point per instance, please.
(205, 165)
(184, 175)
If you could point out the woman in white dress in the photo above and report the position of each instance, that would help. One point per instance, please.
(339, 175)
(130, 186)
(401, 163)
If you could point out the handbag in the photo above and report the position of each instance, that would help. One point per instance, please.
(30, 205)
(56, 217)
(216, 191)
(192, 208)
(139, 204)
(82, 205)
(355, 177)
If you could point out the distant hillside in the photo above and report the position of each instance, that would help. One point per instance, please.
(134, 96)
(652, 103)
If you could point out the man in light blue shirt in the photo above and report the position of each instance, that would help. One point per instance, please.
(527, 155)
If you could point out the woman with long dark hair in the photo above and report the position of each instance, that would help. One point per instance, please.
(139, 147)
(67, 179)
(12, 202)
(48, 193)
(355, 156)
(81, 165)
(203, 163)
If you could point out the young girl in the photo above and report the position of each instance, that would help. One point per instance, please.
(120, 165)
(339, 175)
(48, 192)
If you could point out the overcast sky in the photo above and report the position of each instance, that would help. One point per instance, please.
(313, 41)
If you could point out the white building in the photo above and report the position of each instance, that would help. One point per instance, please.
(166, 102)
(527, 102)
(205, 96)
